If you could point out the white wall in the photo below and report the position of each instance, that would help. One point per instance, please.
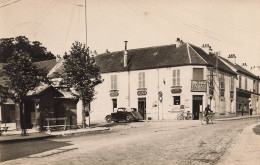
(102, 105)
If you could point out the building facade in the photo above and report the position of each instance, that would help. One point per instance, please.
(161, 81)
(247, 88)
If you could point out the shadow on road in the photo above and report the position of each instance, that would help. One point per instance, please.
(257, 130)
(14, 150)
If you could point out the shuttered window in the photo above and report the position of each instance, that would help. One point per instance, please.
(113, 82)
(176, 77)
(141, 80)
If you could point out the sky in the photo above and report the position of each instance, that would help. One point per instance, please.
(228, 26)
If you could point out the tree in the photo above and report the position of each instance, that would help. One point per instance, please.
(35, 49)
(81, 74)
(24, 76)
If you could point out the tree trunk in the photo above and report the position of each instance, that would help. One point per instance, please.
(83, 115)
(22, 118)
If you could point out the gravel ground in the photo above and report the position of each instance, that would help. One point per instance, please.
(178, 142)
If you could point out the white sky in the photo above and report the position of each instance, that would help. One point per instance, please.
(229, 26)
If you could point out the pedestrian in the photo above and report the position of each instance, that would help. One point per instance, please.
(243, 111)
(251, 111)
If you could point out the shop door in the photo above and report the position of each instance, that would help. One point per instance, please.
(196, 106)
(114, 102)
(142, 107)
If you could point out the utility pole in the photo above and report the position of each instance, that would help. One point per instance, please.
(86, 23)
(217, 104)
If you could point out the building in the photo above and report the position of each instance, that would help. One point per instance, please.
(160, 81)
(247, 87)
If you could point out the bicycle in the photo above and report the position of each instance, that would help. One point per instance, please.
(182, 116)
(208, 119)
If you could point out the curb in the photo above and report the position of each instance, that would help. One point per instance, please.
(78, 133)
(237, 118)
(25, 139)
(58, 134)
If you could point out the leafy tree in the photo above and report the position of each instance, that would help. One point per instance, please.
(23, 76)
(81, 74)
(35, 49)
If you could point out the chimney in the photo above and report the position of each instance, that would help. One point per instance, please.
(206, 48)
(125, 54)
(178, 42)
(244, 65)
(232, 58)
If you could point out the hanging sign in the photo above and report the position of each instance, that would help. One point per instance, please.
(198, 85)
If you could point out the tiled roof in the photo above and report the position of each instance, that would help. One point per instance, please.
(149, 58)
(240, 69)
(153, 57)
(211, 60)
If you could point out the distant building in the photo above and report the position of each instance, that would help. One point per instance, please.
(247, 87)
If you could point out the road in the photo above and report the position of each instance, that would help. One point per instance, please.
(176, 142)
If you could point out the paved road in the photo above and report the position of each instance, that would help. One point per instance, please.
(178, 142)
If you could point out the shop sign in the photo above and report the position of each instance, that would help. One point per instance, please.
(114, 93)
(178, 90)
(141, 93)
(198, 85)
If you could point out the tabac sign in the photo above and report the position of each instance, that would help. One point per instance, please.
(198, 86)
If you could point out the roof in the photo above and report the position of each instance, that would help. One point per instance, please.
(48, 64)
(41, 88)
(240, 69)
(211, 60)
(159, 56)
(151, 58)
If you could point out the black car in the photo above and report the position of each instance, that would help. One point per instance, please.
(124, 114)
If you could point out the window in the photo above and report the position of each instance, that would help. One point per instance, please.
(221, 82)
(113, 82)
(240, 81)
(176, 77)
(221, 85)
(198, 74)
(245, 83)
(176, 100)
(257, 86)
(232, 84)
(141, 80)
(211, 80)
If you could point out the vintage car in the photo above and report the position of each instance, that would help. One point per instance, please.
(124, 114)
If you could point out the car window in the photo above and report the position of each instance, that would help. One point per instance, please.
(120, 110)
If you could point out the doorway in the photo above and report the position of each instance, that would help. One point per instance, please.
(114, 102)
(142, 107)
(197, 101)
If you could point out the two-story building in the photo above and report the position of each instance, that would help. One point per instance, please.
(247, 87)
(160, 81)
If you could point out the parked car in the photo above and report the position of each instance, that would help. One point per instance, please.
(124, 114)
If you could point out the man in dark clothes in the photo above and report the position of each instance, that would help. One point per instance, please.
(207, 111)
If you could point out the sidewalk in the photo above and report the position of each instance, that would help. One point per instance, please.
(11, 136)
(246, 151)
(237, 118)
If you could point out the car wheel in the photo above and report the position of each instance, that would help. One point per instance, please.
(108, 119)
(128, 118)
